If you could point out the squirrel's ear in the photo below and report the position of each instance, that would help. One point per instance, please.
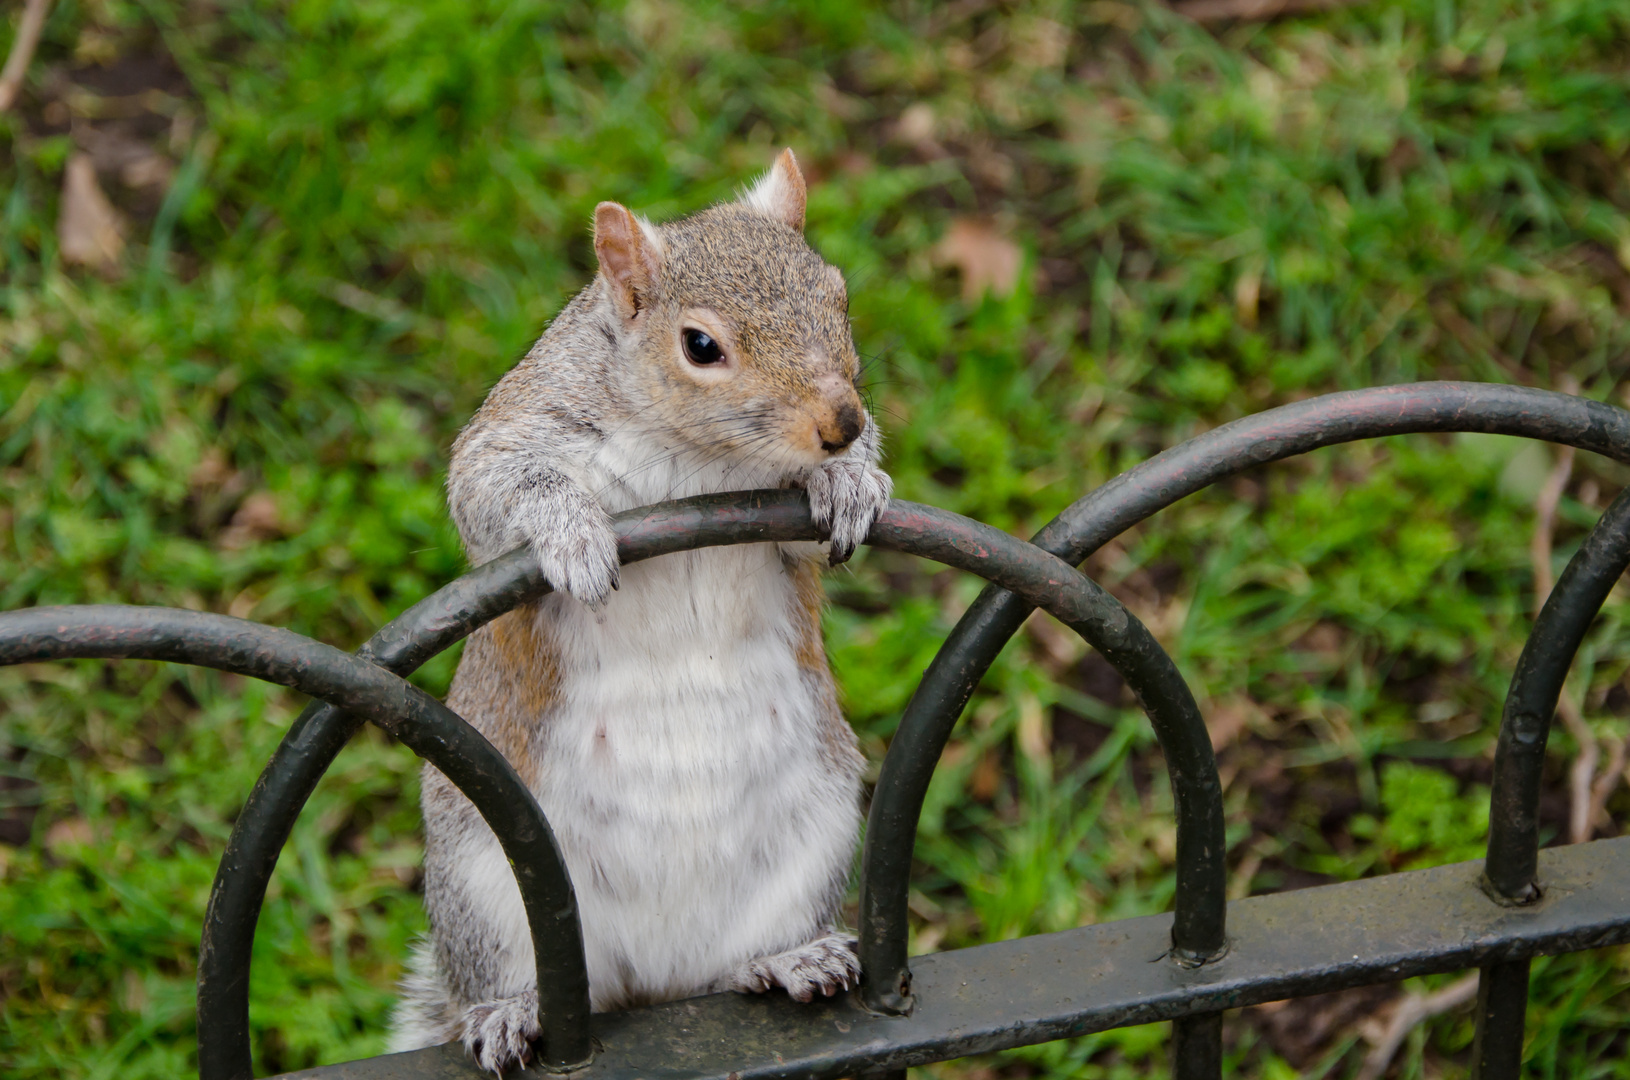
(630, 254)
(780, 195)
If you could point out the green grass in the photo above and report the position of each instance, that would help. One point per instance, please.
(374, 209)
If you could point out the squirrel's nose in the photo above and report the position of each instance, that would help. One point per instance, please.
(839, 419)
(844, 428)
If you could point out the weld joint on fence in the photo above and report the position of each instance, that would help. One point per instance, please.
(893, 1000)
(552, 1069)
(1192, 960)
(1530, 894)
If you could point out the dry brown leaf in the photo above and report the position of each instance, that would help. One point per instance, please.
(1226, 721)
(89, 229)
(1248, 295)
(1040, 43)
(212, 471)
(1061, 648)
(986, 777)
(243, 605)
(918, 128)
(916, 124)
(115, 151)
(67, 834)
(983, 256)
(257, 519)
(154, 170)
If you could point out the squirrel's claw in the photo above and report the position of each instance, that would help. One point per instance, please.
(845, 498)
(583, 565)
(499, 1034)
(579, 557)
(825, 966)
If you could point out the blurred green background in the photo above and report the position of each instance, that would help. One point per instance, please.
(258, 262)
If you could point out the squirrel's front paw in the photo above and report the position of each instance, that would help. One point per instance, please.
(577, 550)
(845, 498)
(499, 1034)
(827, 964)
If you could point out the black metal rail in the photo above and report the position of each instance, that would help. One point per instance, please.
(1052, 986)
(1187, 966)
(1109, 511)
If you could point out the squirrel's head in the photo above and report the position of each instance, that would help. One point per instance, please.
(737, 331)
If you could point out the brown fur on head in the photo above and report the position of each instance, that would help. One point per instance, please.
(775, 374)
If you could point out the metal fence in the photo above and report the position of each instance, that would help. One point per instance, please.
(1206, 956)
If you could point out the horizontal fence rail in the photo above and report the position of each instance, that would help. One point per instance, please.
(1186, 966)
(1052, 986)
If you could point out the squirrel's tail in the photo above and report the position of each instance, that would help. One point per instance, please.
(425, 1015)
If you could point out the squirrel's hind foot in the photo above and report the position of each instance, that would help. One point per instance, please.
(827, 964)
(499, 1034)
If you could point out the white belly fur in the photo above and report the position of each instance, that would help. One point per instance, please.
(683, 772)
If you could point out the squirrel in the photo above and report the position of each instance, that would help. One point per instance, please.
(676, 720)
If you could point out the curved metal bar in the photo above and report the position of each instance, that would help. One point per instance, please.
(441, 620)
(1293, 429)
(1043, 580)
(281, 791)
(1112, 509)
(782, 516)
(1509, 871)
(429, 728)
(322, 730)
(1525, 723)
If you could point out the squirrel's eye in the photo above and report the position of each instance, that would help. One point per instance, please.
(701, 349)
